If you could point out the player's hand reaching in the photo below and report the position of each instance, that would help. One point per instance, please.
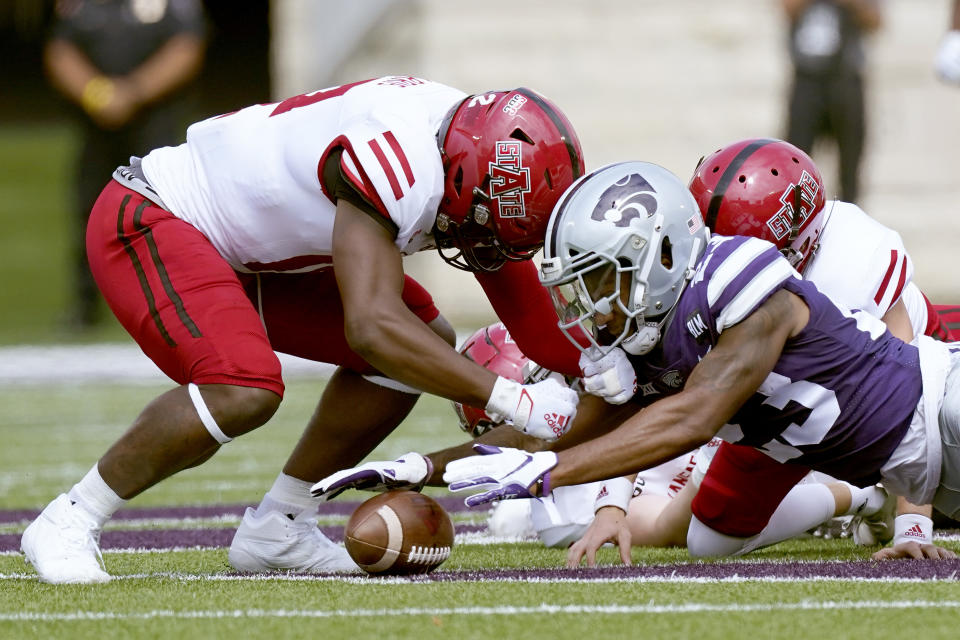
(609, 525)
(544, 410)
(506, 473)
(610, 376)
(914, 550)
(409, 471)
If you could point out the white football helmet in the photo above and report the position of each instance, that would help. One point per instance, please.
(625, 238)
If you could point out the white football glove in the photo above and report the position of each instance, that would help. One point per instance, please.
(947, 62)
(544, 410)
(610, 376)
(410, 471)
(506, 473)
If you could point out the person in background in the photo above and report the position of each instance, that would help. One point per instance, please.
(827, 96)
(947, 61)
(124, 65)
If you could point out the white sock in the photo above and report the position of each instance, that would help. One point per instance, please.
(95, 496)
(804, 507)
(288, 495)
(866, 501)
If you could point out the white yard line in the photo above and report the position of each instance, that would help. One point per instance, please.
(692, 607)
(358, 579)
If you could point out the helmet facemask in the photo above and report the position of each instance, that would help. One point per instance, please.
(621, 247)
(474, 244)
(603, 303)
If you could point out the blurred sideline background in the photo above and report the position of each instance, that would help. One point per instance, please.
(642, 80)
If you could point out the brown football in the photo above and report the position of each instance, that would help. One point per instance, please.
(399, 533)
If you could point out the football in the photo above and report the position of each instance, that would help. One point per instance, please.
(399, 533)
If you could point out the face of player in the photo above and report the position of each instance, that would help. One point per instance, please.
(608, 289)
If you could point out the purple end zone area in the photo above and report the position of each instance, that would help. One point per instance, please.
(165, 538)
(220, 537)
(452, 504)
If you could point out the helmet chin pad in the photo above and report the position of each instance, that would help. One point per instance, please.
(643, 341)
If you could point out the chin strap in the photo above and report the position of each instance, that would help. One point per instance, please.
(644, 340)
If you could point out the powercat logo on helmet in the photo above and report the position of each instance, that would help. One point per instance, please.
(782, 221)
(509, 179)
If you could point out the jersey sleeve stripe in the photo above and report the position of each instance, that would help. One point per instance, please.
(753, 294)
(359, 179)
(732, 266)
(901, 282)
(886, 278)
(401, 156)
(387, 168)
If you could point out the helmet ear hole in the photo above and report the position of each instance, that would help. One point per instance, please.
(458, 181)
(666, 253)
(518, 134)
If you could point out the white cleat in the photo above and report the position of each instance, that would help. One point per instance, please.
(63, 545)
(876, 528)
(275, 541)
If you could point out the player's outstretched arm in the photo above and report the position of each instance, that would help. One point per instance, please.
(380, 328)
(726, 377)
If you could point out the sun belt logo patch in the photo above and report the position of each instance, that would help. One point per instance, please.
(509, 179)
(782, 220)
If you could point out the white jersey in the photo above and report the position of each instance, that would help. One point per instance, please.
(862, 264)
(253, 182)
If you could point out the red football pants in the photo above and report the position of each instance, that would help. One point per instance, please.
(196, 317)
(741, 490)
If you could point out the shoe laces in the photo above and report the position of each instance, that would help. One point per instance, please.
(305, 528)
(78, 532)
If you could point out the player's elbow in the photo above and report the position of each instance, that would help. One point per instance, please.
(365, 334)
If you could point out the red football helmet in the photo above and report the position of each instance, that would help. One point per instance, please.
(764, 188)
(507, 157)
(493, 348)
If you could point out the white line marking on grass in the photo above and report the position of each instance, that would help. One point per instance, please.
(363, 579)
(692, 607)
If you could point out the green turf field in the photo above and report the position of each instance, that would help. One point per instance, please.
(53, 433)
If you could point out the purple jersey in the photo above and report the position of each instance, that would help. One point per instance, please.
(842, 394)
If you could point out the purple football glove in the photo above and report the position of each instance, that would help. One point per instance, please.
(506, 473)
(410, 471)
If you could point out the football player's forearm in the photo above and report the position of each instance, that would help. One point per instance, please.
(660, 433)
(403, 348)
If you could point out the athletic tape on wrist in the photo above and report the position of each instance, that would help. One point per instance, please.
(912, 527)
(616, 492)
(503, 399)
(205, 416)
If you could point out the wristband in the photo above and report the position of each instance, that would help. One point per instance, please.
(615, 492)
(503, 399)
(97, 94)
(912, 527)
